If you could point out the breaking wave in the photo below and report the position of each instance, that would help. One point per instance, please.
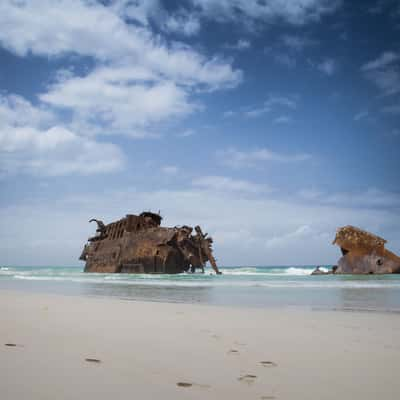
(239, 277)
(248, 286)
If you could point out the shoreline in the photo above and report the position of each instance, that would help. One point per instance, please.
(290, 308)
(147, 349)
(277, 303)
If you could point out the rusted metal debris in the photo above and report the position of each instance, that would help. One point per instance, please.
(139, 244)
(364, 253)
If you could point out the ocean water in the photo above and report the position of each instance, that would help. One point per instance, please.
(237, 286)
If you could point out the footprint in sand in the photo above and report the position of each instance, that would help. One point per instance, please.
(268, 364)
(184, 384)
(248, 378)
(190, 384)
(93, 360)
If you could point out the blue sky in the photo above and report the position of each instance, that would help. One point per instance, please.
(269, 123)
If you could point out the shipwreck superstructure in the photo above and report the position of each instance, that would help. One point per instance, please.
(139, 244)
(364, 253)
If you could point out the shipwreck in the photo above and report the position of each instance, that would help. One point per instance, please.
(364, 253)
(138, 244)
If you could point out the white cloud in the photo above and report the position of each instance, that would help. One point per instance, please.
(327, 66)
(393, 109)
(91, 29)
(297, 12)
(241, 44)
(125, 106)
(386, 58)
(227, 184)
(140, 11)
(289, 102)
(187, 133)
(271, 103)
(183, 23)
(31, 142)
(370, 198)
(170, 169)
(237, 159)
(142, 79)
(228, 114)
(283, 119)
(285, 239)
(384, 72)
(257, 112)
(54, 152)
(16, 111)
(361, 115)
(297, 43)
(286, 60)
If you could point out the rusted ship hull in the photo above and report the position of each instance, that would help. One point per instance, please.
(138, 244)
(364, 253)
(369, 264)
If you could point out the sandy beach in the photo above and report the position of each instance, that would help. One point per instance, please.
(70, 347)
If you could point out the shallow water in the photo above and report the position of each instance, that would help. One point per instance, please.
(237, 286)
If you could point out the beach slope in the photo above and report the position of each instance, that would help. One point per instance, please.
(69, 347)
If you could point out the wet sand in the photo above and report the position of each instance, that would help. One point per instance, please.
(69, 347)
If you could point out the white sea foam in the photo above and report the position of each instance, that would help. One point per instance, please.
(193, 283)
(296, 271)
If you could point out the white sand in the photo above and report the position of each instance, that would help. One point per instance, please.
(147, 348)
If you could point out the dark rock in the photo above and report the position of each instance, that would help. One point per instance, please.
(318, 271)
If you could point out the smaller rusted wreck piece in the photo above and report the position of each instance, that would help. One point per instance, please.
(139, 244)
(364, 253)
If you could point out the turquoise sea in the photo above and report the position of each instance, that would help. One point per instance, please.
(237, 286)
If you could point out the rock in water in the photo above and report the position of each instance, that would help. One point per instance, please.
(364, 253)
(138, 244)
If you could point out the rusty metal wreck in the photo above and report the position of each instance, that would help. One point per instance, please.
(139, 244)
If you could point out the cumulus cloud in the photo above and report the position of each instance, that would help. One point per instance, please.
(16, 111)
(124, 106)
(56, 151)
(52, 28)
(228, 184)
(184, 23)
(142, 79)
(139, 11)
(384, 72)
(31, 142)
(238, 159)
